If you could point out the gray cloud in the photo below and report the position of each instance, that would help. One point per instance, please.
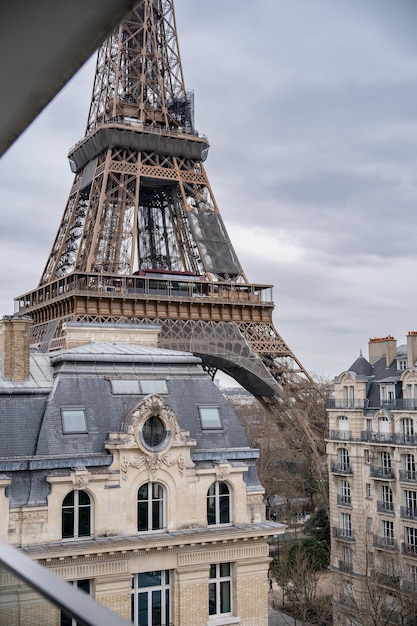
(311, 112)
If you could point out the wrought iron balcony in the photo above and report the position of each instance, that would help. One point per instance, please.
(378, 471)
(336, 403)
(408, 512)
(388, 580)
(405, 439)
(382, 506)
(341, 435)
(340, 468)
(344, 500)
(368, 435)
(345, 566)
(408, 476)
(344, 534)
(385, 543)
(410, 549)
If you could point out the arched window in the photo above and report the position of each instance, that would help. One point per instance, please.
(408, 471)
(76, 515)
(151, 501)
(218, 504)
(343, 459)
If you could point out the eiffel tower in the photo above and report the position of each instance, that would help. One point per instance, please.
(141, 238)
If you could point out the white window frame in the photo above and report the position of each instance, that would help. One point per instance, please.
(164, 589)
(217, 584)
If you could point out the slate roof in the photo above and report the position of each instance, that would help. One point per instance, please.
(33, 442)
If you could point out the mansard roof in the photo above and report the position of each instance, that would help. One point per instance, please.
(33, 440)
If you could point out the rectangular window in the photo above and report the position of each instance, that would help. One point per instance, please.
(125, 387)
(346, 525)
(366, 456)
(388, 532)
(154, 386)
(73, 420)
(82, 585)
(150, 598)
(210, 417)
(220, 589)
(368, 490)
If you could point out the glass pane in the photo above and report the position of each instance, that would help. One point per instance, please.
(83, 498)
(67, 523)
(84, 585)
(143, 516)
(157, 492)
(143, 609)
(211, 510)
(156, 608)
(212, 599)
(143, 492)
(69, 499)
(154, 386)
(212, 571)
(210, 417)
(84, 522)
(157, 521)
(153, 432)
(149, 579)
(223, 489)
(224, 510)
(130, 387)
(224, 569)
(73, 421)
(225, 597)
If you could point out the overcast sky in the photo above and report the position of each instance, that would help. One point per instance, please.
(310, 107)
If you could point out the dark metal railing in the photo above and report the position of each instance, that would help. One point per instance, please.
(384, 542)
(408, 512)
(409, 476)
(333, 403)
(378, 471)
(345, 534)
(30, 582)
(344, 500)
(341, 435)
(383, 506)
(340, 468)
(345, 566)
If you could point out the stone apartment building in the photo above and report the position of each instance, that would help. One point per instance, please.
(372, 455)
(125, 471)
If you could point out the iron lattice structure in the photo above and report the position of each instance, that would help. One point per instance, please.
(141, 238)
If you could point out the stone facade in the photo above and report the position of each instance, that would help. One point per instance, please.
(121, 486)
(372, 454)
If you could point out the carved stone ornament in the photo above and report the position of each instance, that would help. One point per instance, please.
(154, 406)
(152, 463)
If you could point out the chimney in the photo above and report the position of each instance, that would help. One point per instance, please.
(411, 348)
(382, 346)
(14, 347)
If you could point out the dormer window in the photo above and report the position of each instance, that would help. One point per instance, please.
(387, 393)
(401, 364)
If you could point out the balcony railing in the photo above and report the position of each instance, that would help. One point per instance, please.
(341, 435)
(388, 580)
(383, 506)
(400, 439)
(385, 543)
(408, 512)
(408, 476)
(368, 435)
(335, 403)
(28, 588)
(410, 549)
(340, 468)
(344, 500)
(344, 534)
(346, 566)
(378, 471)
